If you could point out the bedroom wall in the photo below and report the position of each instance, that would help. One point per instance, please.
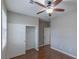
(17, 32)
(64, 33)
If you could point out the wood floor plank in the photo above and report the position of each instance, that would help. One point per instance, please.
(45, 52)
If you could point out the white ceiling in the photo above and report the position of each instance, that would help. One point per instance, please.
(26, 8)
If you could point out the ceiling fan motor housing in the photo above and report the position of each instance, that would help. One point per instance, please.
(49, 3)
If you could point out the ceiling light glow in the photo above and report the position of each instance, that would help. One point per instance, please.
(54, 0)
(49, 10)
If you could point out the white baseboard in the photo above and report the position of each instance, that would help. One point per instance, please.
(44, 45)
(37, 49)
(41, 45)
(64, 52)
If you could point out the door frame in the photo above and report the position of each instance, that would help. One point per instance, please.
(36, 38)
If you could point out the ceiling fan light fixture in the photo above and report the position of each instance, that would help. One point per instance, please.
(54, 0)
(49, 10)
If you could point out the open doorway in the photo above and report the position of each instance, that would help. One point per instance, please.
(30, 37)
(43, 32)
(47, 36)
(31, 42)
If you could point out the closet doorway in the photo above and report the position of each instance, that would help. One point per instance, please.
(30, 37)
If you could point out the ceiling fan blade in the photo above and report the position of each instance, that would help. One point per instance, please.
(40, 4)
(58, 9)
(57, 2)
(40, 11)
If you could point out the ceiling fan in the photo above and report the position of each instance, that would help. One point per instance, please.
(50, 7)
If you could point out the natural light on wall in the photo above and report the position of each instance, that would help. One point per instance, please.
(4, 30)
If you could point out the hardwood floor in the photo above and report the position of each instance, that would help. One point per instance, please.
(45, 52)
